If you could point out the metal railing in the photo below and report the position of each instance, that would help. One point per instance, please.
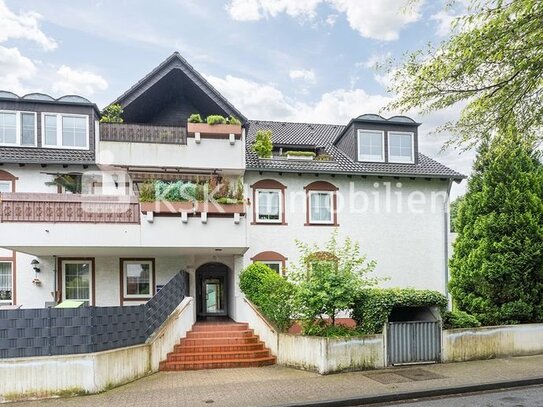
(62, 208)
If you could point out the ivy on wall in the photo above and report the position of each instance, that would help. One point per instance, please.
(373, 306)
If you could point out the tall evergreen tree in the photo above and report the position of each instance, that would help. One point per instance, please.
(497, 265)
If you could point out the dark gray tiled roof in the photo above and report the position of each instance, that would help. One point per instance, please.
(45, 155)
(323, 135)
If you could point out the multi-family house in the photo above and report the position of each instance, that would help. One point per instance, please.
(72, 226)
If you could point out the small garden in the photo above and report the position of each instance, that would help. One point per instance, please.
(217, 189)
(335, 280)
(264, 148)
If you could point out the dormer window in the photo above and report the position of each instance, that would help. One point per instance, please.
(65, 131)
(371, 145)
(401, 147)
(18, 128)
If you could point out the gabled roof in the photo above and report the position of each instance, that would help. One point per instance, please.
(173, 62)
(323, 135)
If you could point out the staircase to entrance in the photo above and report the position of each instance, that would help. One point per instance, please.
(216, 345)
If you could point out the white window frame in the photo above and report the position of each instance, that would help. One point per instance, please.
(91, 273)
(360, 156)
(6, 182)
(9, 301)
(59, 131)
(274, 262)
(151, 282)
(19, 129)
(280, 218)
(332, 209)
(399, 159)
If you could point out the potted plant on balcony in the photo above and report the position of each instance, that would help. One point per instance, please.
(263, 146)
(214, 125)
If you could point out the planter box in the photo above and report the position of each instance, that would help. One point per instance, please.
(166, 207)
(214, 131)
(300, 157)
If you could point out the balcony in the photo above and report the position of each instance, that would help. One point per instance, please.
(142, 133)
(150, 146)
(91, 225)
(65, 208)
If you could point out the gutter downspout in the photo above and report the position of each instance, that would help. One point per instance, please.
(446, 227)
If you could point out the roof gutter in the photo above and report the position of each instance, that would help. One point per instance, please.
(455, 178)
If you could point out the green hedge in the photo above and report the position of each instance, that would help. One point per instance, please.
(373, 306)
(459, 319)
(270, 292)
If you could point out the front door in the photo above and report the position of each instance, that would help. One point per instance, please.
(212, 290)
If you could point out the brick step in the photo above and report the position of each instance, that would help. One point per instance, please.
(200, 327)
(218, 341)
(218, 348)
(220, 334)
(212, 364)
(237, 355)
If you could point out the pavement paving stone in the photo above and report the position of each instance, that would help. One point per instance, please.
(278, 385)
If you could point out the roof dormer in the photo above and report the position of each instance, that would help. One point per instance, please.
(372, 138)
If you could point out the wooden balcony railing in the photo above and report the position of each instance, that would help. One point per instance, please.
(143, 133)
(67, 208)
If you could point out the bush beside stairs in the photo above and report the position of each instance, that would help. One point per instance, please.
(216, 345)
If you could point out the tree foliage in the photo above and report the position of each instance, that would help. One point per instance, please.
(328, 279)
(492, 63)
(263, 145)
(497, 264)
(112, 114)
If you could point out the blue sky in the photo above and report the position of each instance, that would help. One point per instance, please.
(304, 60)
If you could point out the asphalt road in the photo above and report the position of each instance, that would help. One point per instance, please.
(522, 397)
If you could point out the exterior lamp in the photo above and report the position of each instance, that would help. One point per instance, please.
(35, 265)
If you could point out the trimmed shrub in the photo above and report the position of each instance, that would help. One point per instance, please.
(195, 118)
(233, 120)
(270, 292)
(373, 306)
(215, 119)
(459, 319)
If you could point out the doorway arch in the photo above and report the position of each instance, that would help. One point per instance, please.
(212, 290)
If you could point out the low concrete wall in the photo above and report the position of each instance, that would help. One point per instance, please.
(331, 355)
(93, 372)
(267, 333)
(492, 342)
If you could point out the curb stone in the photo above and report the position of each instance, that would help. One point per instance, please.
(419, 394)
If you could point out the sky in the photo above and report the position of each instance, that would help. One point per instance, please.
(292, 60)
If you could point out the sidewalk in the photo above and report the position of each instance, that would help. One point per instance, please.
(277, 385)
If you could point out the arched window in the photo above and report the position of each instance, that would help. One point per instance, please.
(273, 260)
(268, 202)
(321, 204)
(7, 182)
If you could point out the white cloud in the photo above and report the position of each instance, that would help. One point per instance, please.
(255, 100)
(376, 19)
(77, 81)
(444, 22)
(263, 101)
(23, 26)
(375, 60)
(307, 75)
(14, 68)
(331, 19)
(254, 10)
